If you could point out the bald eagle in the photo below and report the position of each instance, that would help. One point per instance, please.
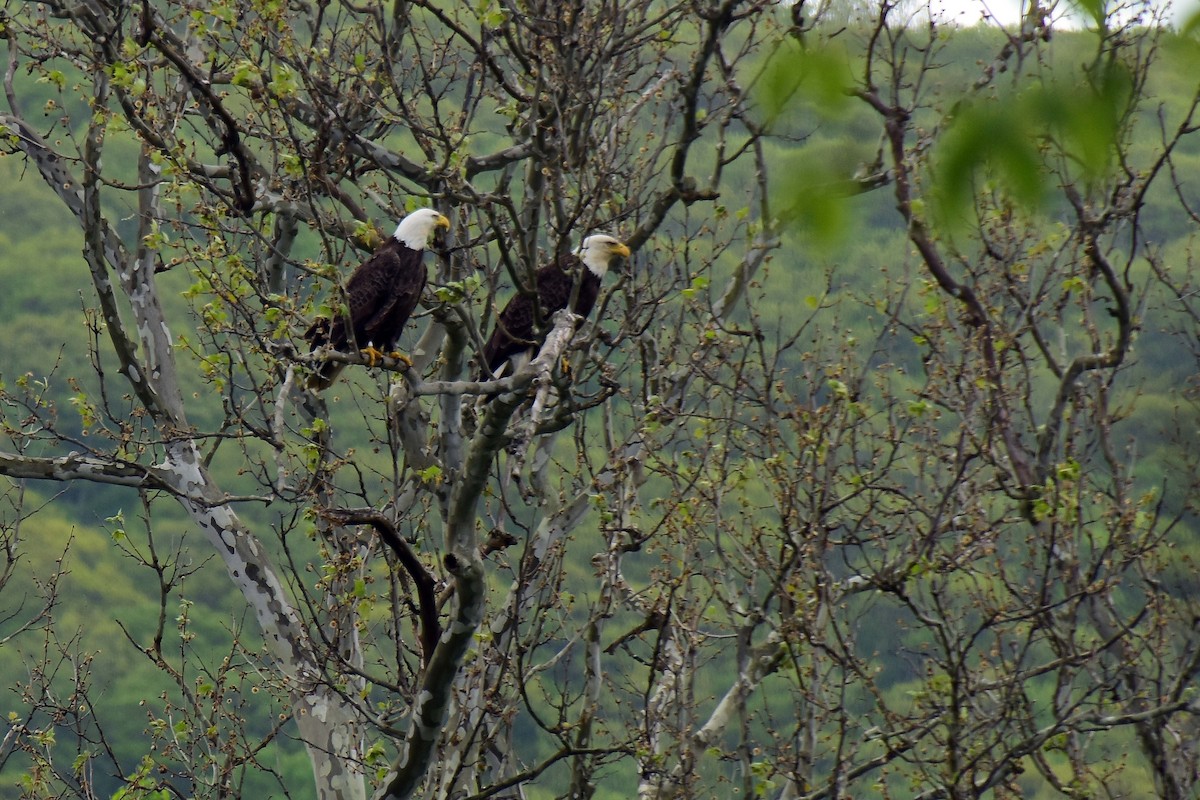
(514, 332)
(381, 294)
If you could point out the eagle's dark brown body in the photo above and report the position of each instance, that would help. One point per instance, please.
(515, 327)
(381, 295)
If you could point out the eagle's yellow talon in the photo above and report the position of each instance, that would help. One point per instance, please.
(396, 354)
(373, 355)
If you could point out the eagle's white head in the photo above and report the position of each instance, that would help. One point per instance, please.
(416, 230)
(598, 251)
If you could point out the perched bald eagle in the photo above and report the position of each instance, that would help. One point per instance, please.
(382, 294)
(514, 332)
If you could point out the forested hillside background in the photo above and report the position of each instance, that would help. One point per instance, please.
(852, 324)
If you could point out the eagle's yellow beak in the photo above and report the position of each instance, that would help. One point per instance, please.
(442, 222)
(621, 249)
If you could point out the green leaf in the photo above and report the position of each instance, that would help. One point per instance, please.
(1096, 10)
(812, 191)
(699, 284)
(1068, 470)
(818, 75)
(1074, 284)
(284, 82)
(992, 137)
(1191, 25)
(245, 73)
(1086, 118)
(1002, 140)
(432, 474)
(57, 77)
(80, 762)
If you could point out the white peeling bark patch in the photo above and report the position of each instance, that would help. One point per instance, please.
(332, 733)
(244, 559)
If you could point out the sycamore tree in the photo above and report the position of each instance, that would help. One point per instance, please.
(883, 536)
(240, 154)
